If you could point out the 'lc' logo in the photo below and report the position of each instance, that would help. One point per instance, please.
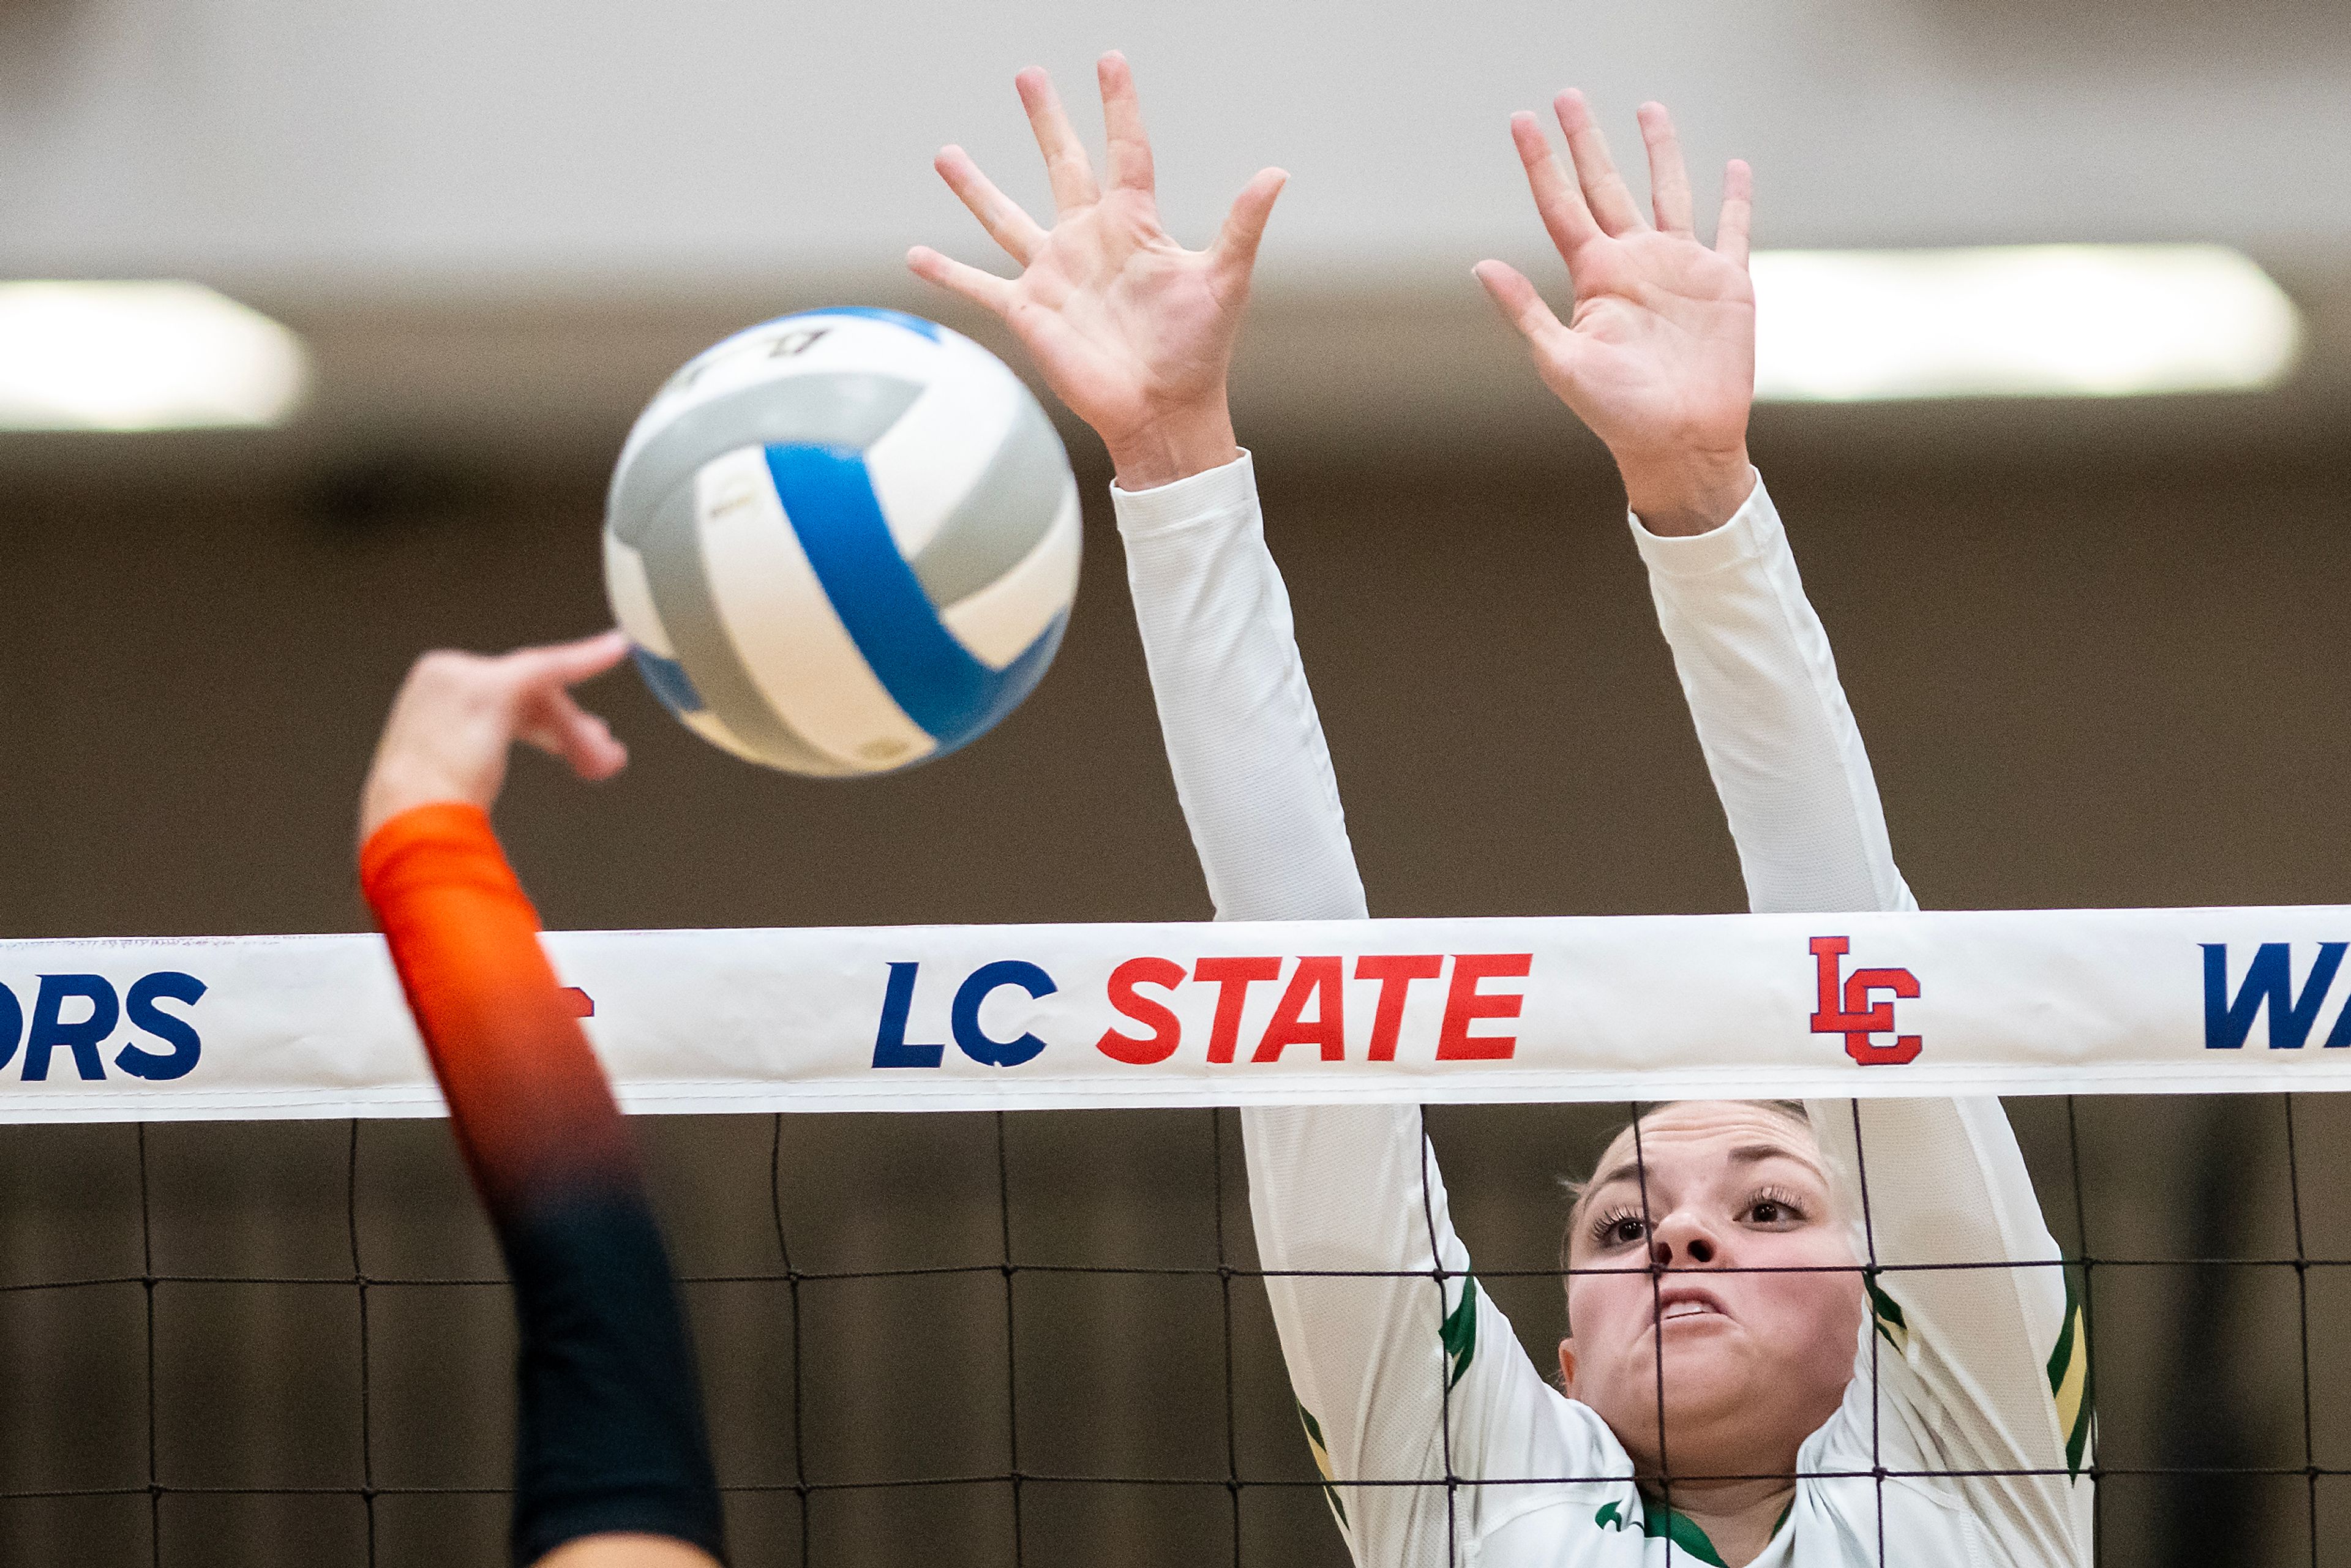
(1856, 1019)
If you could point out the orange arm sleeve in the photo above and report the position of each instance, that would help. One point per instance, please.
(531, 1108)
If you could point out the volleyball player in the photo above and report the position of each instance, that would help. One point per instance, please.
(1819, 1412)
(612, 1463)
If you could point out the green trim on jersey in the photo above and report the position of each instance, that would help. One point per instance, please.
(1459, 1331)
(1658, 1521)
(1684, 1533)
(2070, 1382)
(1323, 1463)
(1887, 1314)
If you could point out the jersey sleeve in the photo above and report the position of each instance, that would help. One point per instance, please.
(609, 1436)
(1979, 1358)
(1404, 1370)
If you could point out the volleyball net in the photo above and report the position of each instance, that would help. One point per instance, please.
(252, 1315)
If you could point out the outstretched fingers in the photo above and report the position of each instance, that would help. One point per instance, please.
(1605, 190)
(553, 721)
(1564, 216)
(1006, 222)
(1669, 186)
(984, 290)
(1520, 304)
(546, 716)
(1236, 247)
(1129, 147)
(1073, 178)
(1731, 230)
(560, 665)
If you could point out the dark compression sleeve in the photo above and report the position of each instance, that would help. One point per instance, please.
(610, 1429)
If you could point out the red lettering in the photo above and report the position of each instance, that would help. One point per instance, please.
(1827, 954)
(1395, 972)
(1316, 978)
(1232, 977)
(1904, 984)
(579, 1003)
(1853, 1014)
(1464, 1004)
(1166, 1030)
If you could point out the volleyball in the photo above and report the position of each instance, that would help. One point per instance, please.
(843, 542)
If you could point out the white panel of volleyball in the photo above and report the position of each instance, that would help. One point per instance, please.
(843, 542)
(957, 1018)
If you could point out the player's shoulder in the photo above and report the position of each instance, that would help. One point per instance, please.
(1838, 1517)
(1557, 1480)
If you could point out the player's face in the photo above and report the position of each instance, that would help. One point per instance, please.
(1754, 1363)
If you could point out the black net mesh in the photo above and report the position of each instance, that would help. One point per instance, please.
(1027, 1338)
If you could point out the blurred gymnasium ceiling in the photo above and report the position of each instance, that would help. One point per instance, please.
(497, 224)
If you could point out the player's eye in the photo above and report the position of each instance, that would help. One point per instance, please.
(1619, 1228)
(1775, 1208)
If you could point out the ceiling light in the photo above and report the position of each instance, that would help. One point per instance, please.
(140, 355)
(2046, 320)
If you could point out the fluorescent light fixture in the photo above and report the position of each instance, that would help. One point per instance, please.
(2042, 321)
(140, 355)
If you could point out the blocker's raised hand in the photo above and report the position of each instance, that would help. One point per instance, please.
(1658, 355)
(1131, 330)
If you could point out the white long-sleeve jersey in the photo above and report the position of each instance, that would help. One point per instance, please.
(1970, 1451)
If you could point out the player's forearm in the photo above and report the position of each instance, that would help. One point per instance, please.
(1243, 738)
(1786, 756)
(529, 1104)
(610, 1429)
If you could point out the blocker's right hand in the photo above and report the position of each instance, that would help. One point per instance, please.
(457, 715)
(1131, 330)
(1658, 356)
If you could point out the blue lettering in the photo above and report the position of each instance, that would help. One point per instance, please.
(176, 1032)
(2269, 978)
(82, 1037)
(988, 977)
(889, 1047)
(12, 1025)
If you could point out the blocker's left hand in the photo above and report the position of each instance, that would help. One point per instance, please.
(457, 715)
(1658, 356)
(1131, 330)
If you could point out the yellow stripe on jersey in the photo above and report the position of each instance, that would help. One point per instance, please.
(2068, 1381)
(1323, 1463)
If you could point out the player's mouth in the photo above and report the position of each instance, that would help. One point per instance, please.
(1689, 1303)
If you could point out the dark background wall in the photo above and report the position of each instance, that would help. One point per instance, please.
(2084, 683)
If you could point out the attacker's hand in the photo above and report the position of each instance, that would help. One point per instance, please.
(1659, 357)
(457, 715)
(1131, 330)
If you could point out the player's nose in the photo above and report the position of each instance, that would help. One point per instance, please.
(1683, 1240)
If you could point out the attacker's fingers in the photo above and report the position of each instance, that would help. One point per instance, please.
(998, 214)
(560, 665)
(1605, 190)
(1669, 186)
(1564, 216)
(1129, 148)
(1730, 230)
(555, 723)
(1236, 247)
(1066, 168)
(984, 290)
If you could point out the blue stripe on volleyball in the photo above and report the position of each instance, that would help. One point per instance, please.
(668, 680)
(953, 697)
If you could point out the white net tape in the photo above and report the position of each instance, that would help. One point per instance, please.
(1013, 1017)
